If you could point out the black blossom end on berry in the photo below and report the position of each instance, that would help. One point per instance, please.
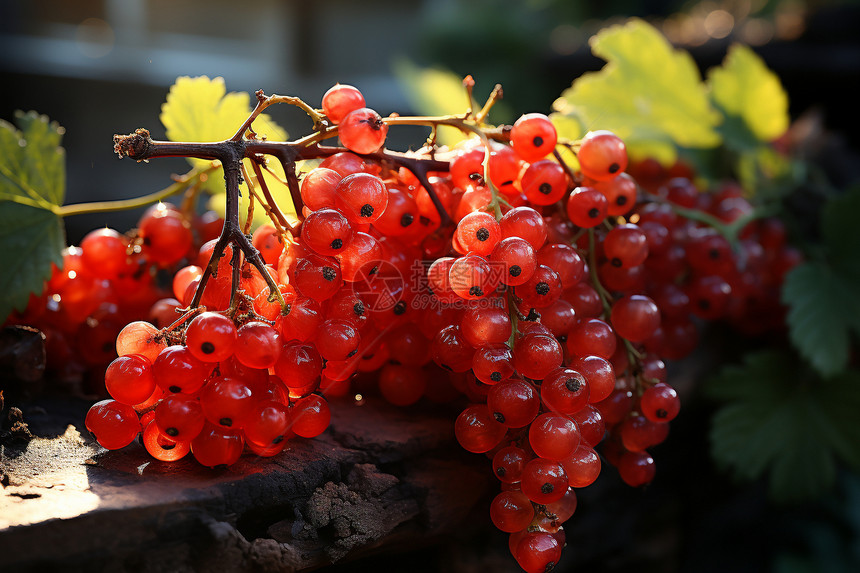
(499, 417)
(545, 188)
(207, 348)
(358, 308)
(172, 432)
(515, 271)
(496, 376)
(616, 262)
(621, 200)
(328, 273)
(537, 141)
(366, 210)
(501, 472)
(482, 234)
(406, 219)
(175, 389)
(399, 308)
(337, 244)
(714, 254)
(593, 213)
(542, 288)
(614, 168)
(546, 488)
(573, 384)
(661, 413)
(226, 422)
(476, 291)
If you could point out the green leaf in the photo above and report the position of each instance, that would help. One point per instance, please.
(823, 310)
(780, 419)
(648, 93)
(32, 163)
(30, 240)
(433, 91)
(200, 109)
(32, 188)
(751, 98)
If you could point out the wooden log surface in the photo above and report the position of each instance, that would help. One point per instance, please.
(379, 479)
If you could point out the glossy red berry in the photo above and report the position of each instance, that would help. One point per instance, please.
(533, 136)
(113, 424)
(311, 416)
(587, 207)
(211, 337)
(361, 197)
(216, 446)
(635, 317)
(258, 345)
(602, 155)
(227, 402)
(544, 481)
(511, 511)
(341, 99)
(363, 131)
(544, 182)
(554, 436)
(180, 417)
(327, 232)
(476, 430)
(268, 423)
(129, 379)
(660, 403)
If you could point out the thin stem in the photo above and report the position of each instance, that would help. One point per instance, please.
(180, 185)
(495, 96)
(187, 314)
(565, 166)
(469, 84)
(234, 291)
(279, 219)
(515, 318)
(249, 218)
(604, 294)
(264, 101)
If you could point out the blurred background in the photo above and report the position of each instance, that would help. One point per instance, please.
(101, 67)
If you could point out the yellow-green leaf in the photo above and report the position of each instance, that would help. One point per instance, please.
(648, 93)
(200, 109)
(433, 91)
(749, 93)
(32, 163)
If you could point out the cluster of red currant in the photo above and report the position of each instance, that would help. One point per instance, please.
(107, 282)
(547, 294)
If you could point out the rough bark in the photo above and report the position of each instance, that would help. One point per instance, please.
(379, 478)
